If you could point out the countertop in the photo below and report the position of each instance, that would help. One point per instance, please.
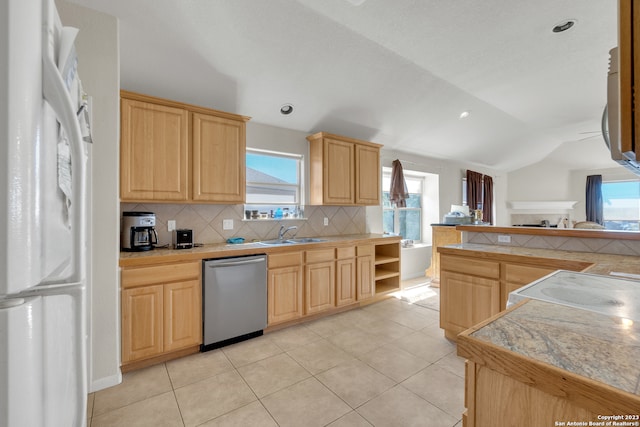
(219, 250)
(549, 231)
(586, 357)
(594, 263)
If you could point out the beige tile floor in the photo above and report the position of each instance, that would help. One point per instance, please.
(386, 364)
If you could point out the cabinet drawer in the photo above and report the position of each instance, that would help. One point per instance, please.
(344, 253)
(285, 260)
(471, 266)
(319, 255)
(524, 274)
(133, 277)
(366, 250)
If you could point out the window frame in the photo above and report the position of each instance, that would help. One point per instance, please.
(408, 175)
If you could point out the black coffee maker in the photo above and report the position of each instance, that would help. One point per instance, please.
(138, 231)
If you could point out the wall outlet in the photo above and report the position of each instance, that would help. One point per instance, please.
(171, 225)
(227, 224)
(326, 221)
(504, 239)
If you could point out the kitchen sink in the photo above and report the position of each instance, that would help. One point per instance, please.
(307, 240)
(278, 242)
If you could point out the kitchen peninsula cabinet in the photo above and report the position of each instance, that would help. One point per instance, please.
(472, 289)
(161, 312)
(172, 151)
(343, 171)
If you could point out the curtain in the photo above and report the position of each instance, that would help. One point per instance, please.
(487, 204)
(398, 192)
(594, 199)
(474, 189)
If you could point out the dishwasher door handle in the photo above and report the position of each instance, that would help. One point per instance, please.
(236, 263)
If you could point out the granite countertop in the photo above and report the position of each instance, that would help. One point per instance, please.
(218, 250)
(576, 345)
(599, 263)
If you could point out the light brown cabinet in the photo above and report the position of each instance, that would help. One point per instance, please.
(284, 287)
(218, 159)
(319, 283)
(154, 151)
(345, 276)
(469, 293)
(441, 235)
(473, 289)
(161, 310)
(365, 272)
(172, 151)
(343, 171)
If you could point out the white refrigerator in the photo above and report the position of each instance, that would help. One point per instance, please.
(44, 134)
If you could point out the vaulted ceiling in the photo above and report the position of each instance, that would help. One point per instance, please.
(397, 72)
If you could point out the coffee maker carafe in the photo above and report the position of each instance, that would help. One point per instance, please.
(138, 231)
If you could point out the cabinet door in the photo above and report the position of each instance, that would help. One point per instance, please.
(367, 175)
(218, 159)
(338, 172)
(154, 152)
(142, 328)
(466, 300)
(284, 294)
(319, 287)
(182, 315)
(517, 276)
(345, 281)
(365, 280)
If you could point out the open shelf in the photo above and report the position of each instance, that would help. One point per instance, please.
(387, 268)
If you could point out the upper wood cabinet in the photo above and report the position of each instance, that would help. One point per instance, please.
(154, 151)
(218, 159)
(172, 151)
(343, 171)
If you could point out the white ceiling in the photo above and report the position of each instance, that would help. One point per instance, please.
(397, 72)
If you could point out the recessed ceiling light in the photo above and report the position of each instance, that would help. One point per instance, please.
(464, 114)
(286, 109)
(564, 25)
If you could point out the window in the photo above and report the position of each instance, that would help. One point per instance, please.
(274, 181)
(407, 222)
(621, 205)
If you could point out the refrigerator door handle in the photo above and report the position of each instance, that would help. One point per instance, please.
(57, 95)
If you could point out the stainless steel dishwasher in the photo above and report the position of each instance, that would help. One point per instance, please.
(234, 299)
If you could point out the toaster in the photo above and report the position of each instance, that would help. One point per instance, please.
(183, 239)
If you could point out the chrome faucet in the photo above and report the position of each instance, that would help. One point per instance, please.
(283, 231)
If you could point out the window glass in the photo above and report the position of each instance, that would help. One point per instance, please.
(407, 221)
(274, 183)
(621, 205)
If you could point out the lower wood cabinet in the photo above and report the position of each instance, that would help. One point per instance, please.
(365, 273)
(284, 287)
(345, 281)
(319, 287)
(161, 310)
(469, 293)
(474, 289)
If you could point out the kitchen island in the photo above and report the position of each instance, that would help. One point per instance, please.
(543, 364)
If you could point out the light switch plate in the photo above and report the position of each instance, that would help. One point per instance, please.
(227, 224)
(171, 225)
(326, 221)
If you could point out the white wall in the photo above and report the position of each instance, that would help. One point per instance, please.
(97, 47)
(550, 180)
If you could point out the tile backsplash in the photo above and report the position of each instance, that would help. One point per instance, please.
(575, 244)
(206, 221)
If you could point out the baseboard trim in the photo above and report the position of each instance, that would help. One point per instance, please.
(106, 382)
